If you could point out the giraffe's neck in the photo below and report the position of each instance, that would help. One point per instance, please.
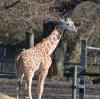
(51, 42)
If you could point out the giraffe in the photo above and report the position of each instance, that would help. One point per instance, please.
(38, 57)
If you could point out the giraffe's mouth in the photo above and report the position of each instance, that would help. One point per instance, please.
(74, 31)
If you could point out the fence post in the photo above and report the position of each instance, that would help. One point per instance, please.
(29, 38)
(74, 85)
(83, 62)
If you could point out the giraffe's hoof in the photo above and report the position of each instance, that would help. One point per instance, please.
(26, 97)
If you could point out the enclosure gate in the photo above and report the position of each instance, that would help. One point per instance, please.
(81, 70)
(83, 64)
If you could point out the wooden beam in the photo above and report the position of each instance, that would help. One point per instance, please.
(83, 71)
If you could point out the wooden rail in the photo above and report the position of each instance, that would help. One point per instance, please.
(90, 70)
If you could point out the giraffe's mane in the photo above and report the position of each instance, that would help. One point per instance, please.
(47, 37)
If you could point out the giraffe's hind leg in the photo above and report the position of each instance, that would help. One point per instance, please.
(19, 82)
(28, 85)
(20, 75)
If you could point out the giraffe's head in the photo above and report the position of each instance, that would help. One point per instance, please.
(68, 25)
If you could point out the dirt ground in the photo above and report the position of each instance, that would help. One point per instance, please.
(52, 90)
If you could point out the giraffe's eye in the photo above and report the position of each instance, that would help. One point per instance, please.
(67, 23)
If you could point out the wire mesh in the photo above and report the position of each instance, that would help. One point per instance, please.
(93, 58)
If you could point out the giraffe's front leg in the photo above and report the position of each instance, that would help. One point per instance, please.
(40, 85)
(43, 73)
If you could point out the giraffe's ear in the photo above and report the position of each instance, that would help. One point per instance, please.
(69, 18)
(62, 20)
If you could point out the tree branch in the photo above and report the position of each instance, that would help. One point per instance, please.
(13, 4)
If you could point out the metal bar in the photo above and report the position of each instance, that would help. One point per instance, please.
(83, 62)
(74, 86)
(95, 58)
(93, 48)
(4, 52)
(1, 71)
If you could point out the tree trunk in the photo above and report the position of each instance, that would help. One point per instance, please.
(60, 58)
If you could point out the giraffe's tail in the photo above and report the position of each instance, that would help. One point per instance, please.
(17, 58)
(20, 81)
